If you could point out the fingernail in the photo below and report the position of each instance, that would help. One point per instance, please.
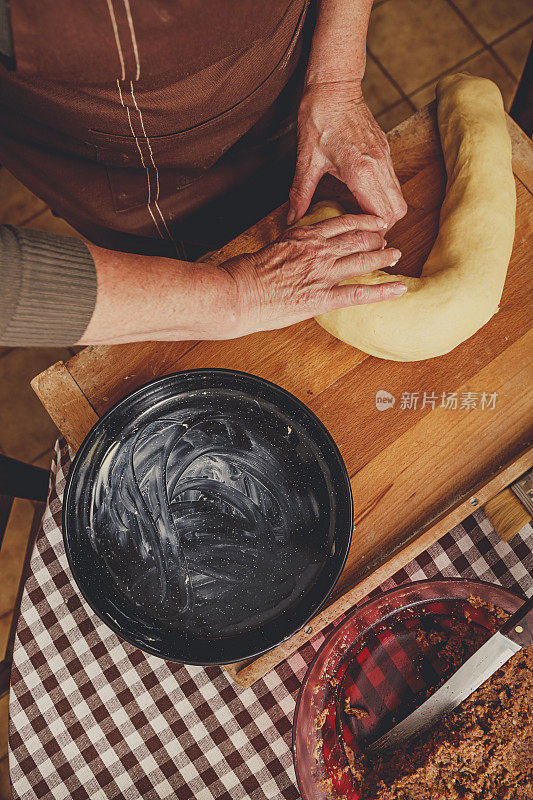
(291, 216)
(400, 289)
(396, 255)
(381, 222)
(384, 245)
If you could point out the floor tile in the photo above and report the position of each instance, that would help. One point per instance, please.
(393, 116)
(46, 221)
(26, 430)
(484, 65)
(5, 785)
(493, 18)
(513, 50)
(416, 40)
(425, 95)
(378, 90)
(44, 461)
(13, 551)
(17, 203)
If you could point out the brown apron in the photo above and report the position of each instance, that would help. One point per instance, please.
(132, 118)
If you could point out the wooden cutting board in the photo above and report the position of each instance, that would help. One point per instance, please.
(417, 468)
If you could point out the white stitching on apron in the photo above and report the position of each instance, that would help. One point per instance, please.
(121, 57)
(138, 71)
(133, 39)
(117, 40)
(142, 161)
(156, 203)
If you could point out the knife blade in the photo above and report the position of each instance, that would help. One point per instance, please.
(516, 634)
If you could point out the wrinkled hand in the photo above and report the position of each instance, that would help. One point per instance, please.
(297, 277)
(338, 134)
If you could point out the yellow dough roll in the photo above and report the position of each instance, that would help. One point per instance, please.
(462, 280)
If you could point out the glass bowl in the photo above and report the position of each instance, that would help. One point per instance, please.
(373, 669)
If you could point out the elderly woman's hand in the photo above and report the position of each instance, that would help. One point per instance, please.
(338, 134)
(298, 276)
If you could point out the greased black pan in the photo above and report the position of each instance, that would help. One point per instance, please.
(207, 516)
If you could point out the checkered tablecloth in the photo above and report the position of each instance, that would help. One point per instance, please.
(93, 717)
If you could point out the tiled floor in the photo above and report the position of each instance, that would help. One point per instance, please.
(416, 42)
(411, 44)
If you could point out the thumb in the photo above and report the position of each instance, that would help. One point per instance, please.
(306, 177)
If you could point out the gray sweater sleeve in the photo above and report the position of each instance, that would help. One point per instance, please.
(48, 288)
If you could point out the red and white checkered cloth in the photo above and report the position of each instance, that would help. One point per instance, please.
(93, 717)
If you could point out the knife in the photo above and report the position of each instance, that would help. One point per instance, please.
(514, 635)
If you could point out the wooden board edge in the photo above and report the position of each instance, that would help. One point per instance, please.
(424, 118)
(247, 673)
(522, 153)
(65, 402)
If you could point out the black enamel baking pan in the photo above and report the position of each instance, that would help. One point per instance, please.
(207, 516)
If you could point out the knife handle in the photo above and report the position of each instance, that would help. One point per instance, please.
(519, 627)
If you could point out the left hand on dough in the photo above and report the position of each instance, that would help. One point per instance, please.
(338, 134)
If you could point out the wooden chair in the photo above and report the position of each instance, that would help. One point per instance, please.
(19, 480)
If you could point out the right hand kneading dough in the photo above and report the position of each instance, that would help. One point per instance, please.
(462, 280)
